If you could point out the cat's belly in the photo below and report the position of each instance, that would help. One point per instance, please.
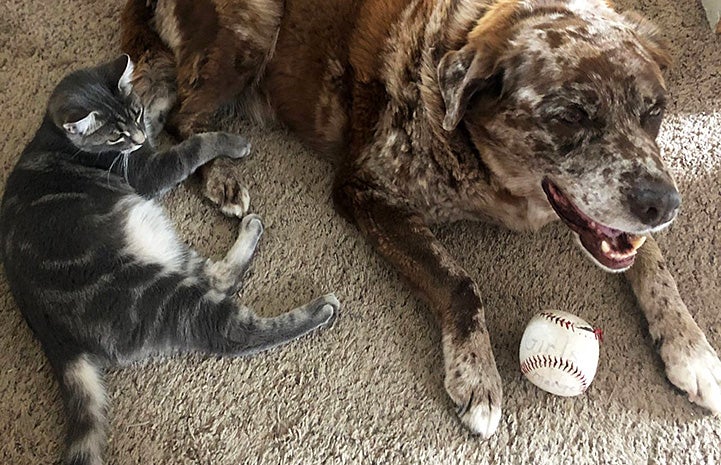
(149, 235)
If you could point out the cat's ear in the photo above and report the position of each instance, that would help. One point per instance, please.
(124, 66)
(83, 126)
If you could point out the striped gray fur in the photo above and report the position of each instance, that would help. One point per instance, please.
(96, 267)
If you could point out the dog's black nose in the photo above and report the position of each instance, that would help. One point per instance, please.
(654, 202)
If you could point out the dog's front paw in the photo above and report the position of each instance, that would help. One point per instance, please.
(473, 384)
(694, 367)
(224, 187)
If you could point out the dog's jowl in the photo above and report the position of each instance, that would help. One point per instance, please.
(515, 112)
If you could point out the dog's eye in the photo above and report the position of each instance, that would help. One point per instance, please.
(654, 111)
(572, 116)
(651, 120)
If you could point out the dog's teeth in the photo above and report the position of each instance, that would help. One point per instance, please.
(637, 241)
(622, 255)
(605, 247)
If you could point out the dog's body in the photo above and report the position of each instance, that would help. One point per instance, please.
(511, 111)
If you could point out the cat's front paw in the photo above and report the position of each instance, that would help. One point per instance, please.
(224, 187)
(237, 147)
(225, 144)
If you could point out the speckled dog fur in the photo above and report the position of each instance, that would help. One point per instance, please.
(442, 110)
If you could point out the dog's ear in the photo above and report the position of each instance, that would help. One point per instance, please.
(651, 38)
(462, 73)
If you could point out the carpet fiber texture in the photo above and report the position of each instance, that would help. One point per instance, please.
(369, 389)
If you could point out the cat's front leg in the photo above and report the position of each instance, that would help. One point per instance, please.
(153, 174)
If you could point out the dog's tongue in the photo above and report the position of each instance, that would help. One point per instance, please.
(612, 248)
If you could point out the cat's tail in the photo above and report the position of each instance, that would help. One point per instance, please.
(84, 396)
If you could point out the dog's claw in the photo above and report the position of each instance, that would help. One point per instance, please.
(480, 415)
(474, 385)
(695, 369)
(483, 418)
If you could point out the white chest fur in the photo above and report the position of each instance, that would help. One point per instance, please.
(521, 214)
(149, 235)
(538, 213)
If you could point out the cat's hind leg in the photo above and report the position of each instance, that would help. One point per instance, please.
(245, 333)
(242, 332)
(226, 275)
(200, 319)
(253, 334)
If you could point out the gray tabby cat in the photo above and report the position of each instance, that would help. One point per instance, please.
(96, 267)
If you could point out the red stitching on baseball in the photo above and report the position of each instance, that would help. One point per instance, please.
(559, 320)
(535, 362)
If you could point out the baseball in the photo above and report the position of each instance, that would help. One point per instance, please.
(559, 352)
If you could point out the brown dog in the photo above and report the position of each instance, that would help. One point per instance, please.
(511, 111)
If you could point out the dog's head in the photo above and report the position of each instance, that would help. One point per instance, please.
(568, 97)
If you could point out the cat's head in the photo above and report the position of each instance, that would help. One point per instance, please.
(97, 109)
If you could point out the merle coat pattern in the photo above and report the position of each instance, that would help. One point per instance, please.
(518, 112)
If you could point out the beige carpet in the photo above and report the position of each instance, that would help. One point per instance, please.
(369, 390)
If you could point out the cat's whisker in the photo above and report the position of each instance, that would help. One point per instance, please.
(110, 169)
(74, 155)
(126, 157)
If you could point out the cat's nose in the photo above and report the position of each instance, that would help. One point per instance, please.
(138, 137)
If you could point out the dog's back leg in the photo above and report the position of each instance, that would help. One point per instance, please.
(154, 77)
(221, 49)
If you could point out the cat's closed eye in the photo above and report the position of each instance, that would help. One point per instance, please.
(117, 140)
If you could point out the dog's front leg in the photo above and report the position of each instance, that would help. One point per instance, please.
(404, 239)
(691, 363)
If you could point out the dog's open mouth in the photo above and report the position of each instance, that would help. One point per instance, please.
(612, 248)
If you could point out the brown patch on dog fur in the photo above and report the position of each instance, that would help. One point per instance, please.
(310, 65)
(137, 37)
(221, 54)
(654, 43)
(375, 18)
